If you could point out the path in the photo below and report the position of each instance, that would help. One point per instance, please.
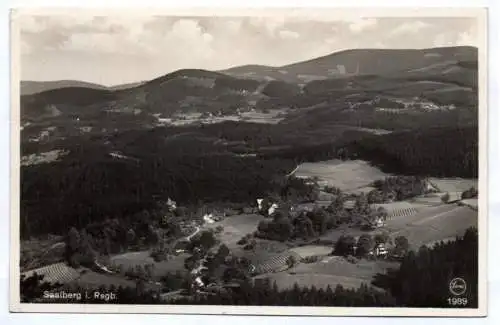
(188, 238)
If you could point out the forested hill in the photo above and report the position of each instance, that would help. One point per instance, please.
(439, 152)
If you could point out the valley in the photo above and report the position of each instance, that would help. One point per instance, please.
(321, 175)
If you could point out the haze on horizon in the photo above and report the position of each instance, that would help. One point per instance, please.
(112, 50)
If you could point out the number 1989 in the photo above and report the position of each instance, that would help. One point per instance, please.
(456, 301)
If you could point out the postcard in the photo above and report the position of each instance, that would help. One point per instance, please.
(313, 161)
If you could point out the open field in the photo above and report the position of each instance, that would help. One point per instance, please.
(312, 250)
(236, 227)
(454, 184)
(428, 224)
(472, 203)
(331, 271)
(333, 235)
(92, 279)
(433, 199)
(434, 224)
(287, 281)
(346, 175)
(131, 259)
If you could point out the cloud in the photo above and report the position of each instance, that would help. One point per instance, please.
(361, 24)
(409, 27)
(168, 43)
(288, 34)
(443, 40)
(268, 24)
(466, 38)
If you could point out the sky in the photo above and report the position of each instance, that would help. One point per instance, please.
(112, 50)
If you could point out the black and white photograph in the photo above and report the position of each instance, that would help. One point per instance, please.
(249, 161)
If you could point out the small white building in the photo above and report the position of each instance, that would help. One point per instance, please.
(208, 218)
(272, 209)
(379, 222)
(198, 282)
(259, 203)
(381, 250)
(171, 204)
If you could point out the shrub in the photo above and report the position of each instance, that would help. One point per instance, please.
(242, 241)
(310, 259)
(470, 193)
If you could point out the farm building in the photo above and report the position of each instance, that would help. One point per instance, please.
(172, 205)
(208, 218)
(260, 204)
(272, 209)
(380, 250)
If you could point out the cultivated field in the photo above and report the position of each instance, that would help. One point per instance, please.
(346, 175)
(269, 263)
(434, 224)
(399, 209)
(55, 273)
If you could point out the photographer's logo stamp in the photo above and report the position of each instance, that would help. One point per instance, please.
(458, 286)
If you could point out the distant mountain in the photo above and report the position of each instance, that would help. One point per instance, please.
(29, 87)
(60, 101)
(181, 91)
(126, 86)
(357, 62)
(437, 79)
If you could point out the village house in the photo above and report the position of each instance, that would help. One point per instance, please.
(272, 209)
(381, 250)
(208, 218)
(172, 205)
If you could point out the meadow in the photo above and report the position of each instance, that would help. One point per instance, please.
(434, 224)
(454, 184)
(330, 271)
(345, 175)
(142, 258)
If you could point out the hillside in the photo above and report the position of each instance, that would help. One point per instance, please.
(29, 87)
(357, 62)
(431, 87)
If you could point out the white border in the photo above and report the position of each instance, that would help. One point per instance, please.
(15, 306)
